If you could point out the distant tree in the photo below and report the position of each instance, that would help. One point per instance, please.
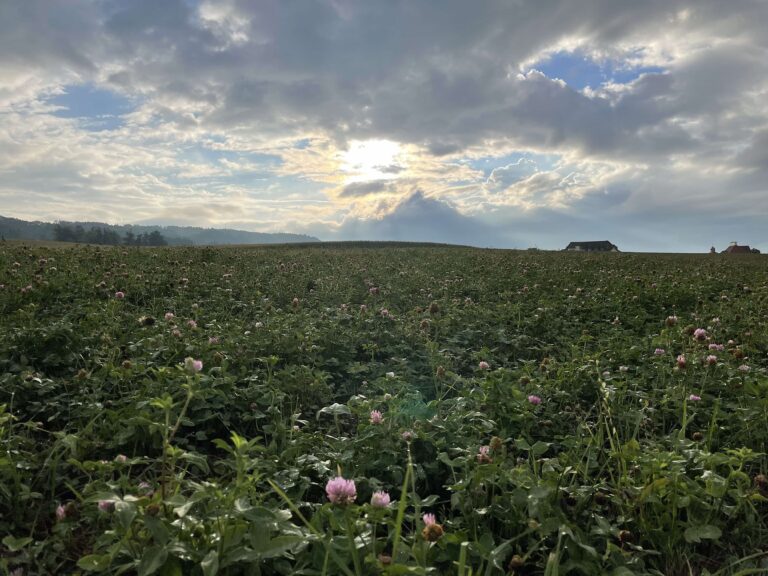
(63, 233)
(78, 234)
(755, 251)
(130, 238)
(157, 239)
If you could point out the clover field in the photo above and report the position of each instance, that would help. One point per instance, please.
(381, 409)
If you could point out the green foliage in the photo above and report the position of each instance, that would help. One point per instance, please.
(120, 455)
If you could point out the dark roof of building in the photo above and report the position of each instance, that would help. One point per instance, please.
(736, 249)
(592, 245)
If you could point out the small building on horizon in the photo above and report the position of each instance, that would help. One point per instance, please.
(592, 246)
(734, 248)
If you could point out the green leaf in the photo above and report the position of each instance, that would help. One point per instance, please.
(16, 544)
(210, 563)
(334, 409)
(172, 567)
(94, 562)
(152, 560)
(695, 534)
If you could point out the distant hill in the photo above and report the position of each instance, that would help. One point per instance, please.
(15, 229)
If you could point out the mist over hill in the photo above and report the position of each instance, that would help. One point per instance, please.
(15, 229)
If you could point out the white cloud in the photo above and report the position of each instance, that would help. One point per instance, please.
(445, 86)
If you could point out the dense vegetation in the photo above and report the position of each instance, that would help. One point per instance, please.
(105, 236)
(138, 235)
(394, 410)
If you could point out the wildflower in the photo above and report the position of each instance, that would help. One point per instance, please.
(384, 313)
(61, 512)
(623, 368)
(483, 455)
(484, 365)
(681, 361)
(407, 436)
(390, 374)
(295, 303)
(533, 399)
(119, 295)
(659, 352)
(176, 332)
(169, 316)
(744, 368)
(432, 531)
(106, 505)
(380, 499)
(376, 417)
(341, 490)
(700, 334)
(711, 360)
(718, 347)
(694, 398)
(192, 324)
(213, 340)
(121, 458)
(671, 320)
(191, 365)
(363, 308)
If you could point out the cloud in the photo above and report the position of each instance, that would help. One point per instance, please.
(672, 118)
(356, 189)
(417, 218)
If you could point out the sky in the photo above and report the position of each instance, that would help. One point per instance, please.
(499, 123)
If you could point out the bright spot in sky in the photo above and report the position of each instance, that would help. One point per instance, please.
(367, 160)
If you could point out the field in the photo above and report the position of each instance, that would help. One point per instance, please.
(381, 409)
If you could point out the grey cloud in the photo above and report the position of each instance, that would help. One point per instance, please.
(357, 189)
(418, 218)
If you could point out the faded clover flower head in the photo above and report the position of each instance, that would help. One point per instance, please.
(191, 323)
(718, 347)
(700, 334)
(119, 294)
(711, 360)
(681, 361)
(169, 316)
(380, 499)
(341, 491)
(694, 398)
(484, 365)
(191, 365)
(744, 368)
(376, 417)
(659, 352)
(61, 512)
(671, 320)
(533, 399)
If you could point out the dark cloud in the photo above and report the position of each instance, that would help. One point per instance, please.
(365, 188)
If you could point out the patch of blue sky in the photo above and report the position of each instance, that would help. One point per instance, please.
(95, 108)
(199, 153)
(580, 71)
(543, 162)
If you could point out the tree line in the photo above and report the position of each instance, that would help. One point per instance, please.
(97, 235)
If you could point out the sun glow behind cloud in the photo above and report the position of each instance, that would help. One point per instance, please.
(367, 160)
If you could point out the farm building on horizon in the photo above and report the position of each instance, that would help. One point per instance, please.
(595, 246)
(734, 248)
